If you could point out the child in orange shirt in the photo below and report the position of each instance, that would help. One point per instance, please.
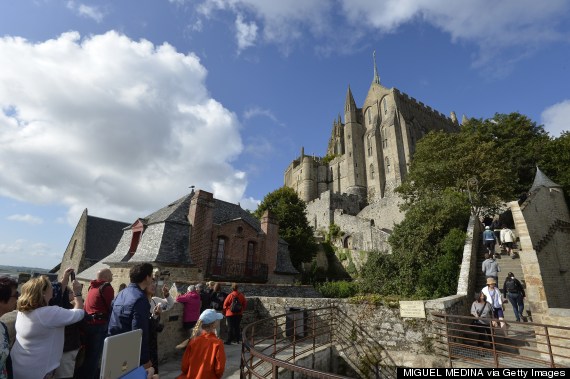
(205, 357)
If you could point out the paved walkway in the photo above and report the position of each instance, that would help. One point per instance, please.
(171, 369)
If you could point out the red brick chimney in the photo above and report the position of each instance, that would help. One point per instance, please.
(200, 216)
(270, 226)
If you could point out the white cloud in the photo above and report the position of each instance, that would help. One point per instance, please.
(24, 247)
(86, 11)
(246, 33)
(249, 203)
(105, 122)
(257, 111)
(494, 26)
(556, 118)
(27, 218)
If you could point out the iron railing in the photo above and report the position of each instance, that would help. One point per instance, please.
(307, 342)
(232, 270)
(501, 343)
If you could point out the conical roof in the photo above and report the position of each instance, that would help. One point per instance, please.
(349, 104)
(541, 180)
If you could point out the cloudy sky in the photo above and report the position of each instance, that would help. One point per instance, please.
(119, 107)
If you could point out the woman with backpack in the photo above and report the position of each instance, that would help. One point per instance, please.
(234, 305)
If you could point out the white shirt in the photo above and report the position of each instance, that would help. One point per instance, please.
(155, 300)
(39, 340)
(493, 297)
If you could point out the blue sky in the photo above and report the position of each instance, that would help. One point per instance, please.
(119, 107)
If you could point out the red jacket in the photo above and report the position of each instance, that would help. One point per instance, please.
(204, 358)
(230, 299)
(95, 303)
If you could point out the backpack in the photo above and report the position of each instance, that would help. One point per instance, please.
(511, 286)
(236, 305)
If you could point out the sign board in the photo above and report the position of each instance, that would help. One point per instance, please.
(413, 309)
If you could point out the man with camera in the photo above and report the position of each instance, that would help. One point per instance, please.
(98, 308)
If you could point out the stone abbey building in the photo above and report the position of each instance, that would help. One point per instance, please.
(367, 158)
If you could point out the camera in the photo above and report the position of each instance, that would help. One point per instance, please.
(72, 276)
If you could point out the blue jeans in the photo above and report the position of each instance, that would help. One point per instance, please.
(516, 300)
(94, 336)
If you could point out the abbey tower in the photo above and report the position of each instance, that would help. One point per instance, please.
(367, 158)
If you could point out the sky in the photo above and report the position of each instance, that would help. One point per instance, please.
(120, 106)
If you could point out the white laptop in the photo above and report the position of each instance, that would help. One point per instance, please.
(121, 354)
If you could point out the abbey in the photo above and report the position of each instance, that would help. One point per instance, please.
(367, 158)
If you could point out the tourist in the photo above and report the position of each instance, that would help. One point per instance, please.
(40, 329)
(514, 291)
(493, 297)
(64, 297)
(483, 311)
(204, 296)
(234, 305)
(131, 309)
(98, 308)
(489, 240)
(204, 357)
(157, 306)
(8, 299)
(217, 303)
(508, 239)
(490, 267)
(191, 312)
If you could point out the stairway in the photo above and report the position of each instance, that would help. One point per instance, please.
(506, 264)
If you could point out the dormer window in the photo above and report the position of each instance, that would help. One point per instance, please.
(136, 230)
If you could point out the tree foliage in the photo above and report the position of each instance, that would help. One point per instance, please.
(294, 228)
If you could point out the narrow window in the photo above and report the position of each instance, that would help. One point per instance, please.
(73, 249)
(371, 171)
(220, 252)
(250, 255)
(135, 241)
(387, 164)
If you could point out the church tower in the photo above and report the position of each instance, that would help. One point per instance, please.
(354, 149)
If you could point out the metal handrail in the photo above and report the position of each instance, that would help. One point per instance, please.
(543, 345)
(319, 329)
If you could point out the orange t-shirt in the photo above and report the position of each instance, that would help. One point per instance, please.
(204, 358)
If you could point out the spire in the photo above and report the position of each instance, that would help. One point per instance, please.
(376, 77)
(541, 180)
(349, 104)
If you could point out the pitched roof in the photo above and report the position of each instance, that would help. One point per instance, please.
(224, 211)
(176, 211)
(102, 236)
(541, 180)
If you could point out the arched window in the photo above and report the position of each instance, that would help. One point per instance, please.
(387, 164)
(371, 171)
(220, 251)
(369, 116)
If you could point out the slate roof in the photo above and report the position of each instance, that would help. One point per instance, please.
(102, 237)
(541, 180)
(176, 211)
(224, 211)
(91, 272)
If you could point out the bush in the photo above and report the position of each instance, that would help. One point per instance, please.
(340, 289)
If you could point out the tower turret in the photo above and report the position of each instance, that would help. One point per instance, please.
(376, 76)
(354, 150)
(349, 108)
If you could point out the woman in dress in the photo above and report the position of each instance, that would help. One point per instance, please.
(40, 329)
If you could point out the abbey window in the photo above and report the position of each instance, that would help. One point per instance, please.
(387, 160)
(371, 171)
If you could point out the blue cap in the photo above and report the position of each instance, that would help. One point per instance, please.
(209, 316)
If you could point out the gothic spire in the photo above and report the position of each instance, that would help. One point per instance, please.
(376, 76)
(349, 104)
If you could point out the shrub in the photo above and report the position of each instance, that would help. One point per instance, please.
(340, 289)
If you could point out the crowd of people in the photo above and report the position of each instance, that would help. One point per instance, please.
(58, 335)
(490, 301)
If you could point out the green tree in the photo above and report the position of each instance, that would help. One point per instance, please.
(294, 228)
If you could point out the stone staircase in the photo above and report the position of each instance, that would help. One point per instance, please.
(506, 264)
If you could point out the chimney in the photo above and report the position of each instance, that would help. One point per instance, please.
(270, 226)
(201, 216)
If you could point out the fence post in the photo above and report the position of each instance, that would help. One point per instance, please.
(549, 347)
(493, 347)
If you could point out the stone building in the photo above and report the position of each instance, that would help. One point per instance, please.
(367, 158)
(198, 238)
